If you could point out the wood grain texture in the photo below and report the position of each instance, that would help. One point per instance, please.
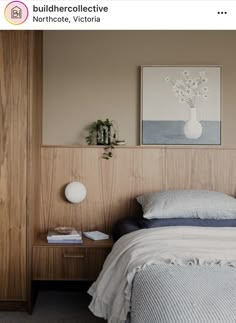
(13, 163)
(213, 169)
(34, 142)
(87, 243)
(34, 123)
(68, 263)
(113, 185)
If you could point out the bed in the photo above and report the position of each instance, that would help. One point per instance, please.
(176, 273)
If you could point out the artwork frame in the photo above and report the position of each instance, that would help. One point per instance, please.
(193, 119)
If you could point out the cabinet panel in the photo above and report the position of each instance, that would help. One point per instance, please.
(13, 159)
(69, 263)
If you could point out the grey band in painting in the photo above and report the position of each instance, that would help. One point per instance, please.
(171, 133)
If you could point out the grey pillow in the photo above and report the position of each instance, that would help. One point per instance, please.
(188, 204)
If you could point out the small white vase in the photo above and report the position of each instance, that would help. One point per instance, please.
(192, 127)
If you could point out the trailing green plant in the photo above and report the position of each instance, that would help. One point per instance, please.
(108, 152)
(92, 129)
(103, 132)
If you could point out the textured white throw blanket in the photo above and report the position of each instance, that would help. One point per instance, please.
(171, 245)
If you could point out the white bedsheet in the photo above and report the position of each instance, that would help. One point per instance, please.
(174, 245)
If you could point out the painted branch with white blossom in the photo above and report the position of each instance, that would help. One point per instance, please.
(190, 90)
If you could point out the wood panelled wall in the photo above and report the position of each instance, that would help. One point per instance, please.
(13, 164)
(35, 40)
(20, 140)
(113, 185)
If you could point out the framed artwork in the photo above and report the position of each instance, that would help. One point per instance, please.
(180, 105)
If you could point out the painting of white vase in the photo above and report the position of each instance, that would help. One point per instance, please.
(192, 127)
(181, 105)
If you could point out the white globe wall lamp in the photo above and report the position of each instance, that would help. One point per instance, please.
(75, 192)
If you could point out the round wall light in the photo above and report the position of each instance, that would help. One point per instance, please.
(75, 192)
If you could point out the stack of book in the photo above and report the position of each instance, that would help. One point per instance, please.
(73, 237)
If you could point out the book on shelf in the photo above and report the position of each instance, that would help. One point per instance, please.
(96, 235)
(65, 241)
(73, 237)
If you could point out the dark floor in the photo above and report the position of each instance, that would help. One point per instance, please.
(56, 307)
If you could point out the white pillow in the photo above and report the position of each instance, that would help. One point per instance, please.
(188, 204)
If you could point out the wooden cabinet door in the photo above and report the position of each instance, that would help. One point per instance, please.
(13, 161)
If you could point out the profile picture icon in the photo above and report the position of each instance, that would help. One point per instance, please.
(16, 12)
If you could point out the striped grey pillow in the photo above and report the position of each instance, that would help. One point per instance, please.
(188, 204)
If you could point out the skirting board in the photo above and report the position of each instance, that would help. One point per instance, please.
(13, 306)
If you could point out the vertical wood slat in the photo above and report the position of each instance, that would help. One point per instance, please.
(13, 162)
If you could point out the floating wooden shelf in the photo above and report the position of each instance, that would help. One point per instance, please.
(221, 147)
(41, 241)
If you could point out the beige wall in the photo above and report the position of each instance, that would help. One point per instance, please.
(164, 105)
(89, 75)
